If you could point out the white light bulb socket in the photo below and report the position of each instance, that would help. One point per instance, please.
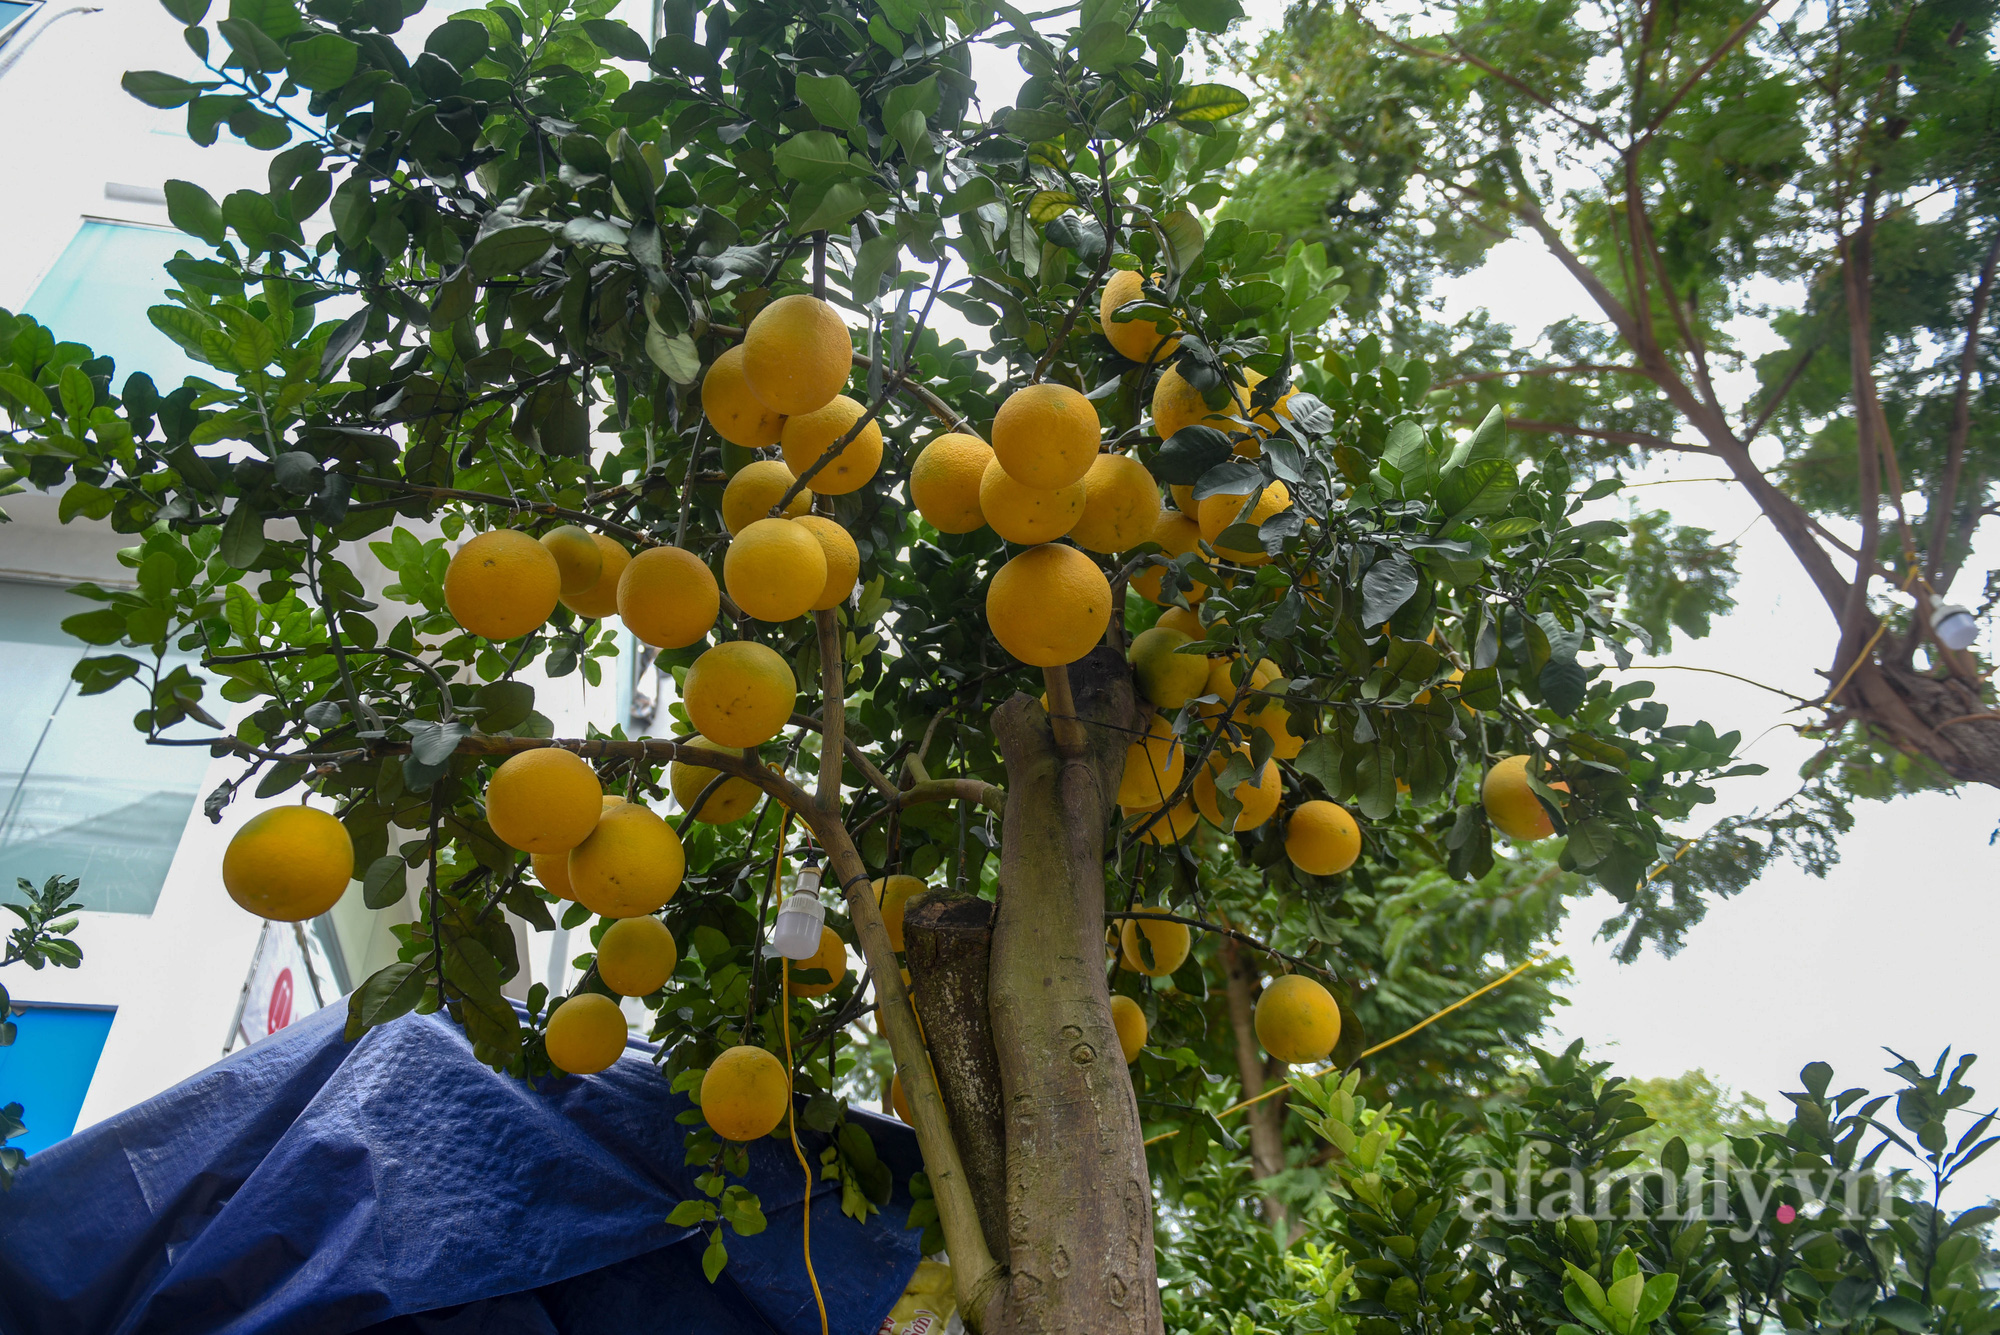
(796, 933)
(1955, 626)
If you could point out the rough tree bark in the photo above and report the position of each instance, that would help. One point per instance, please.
(1078, 1197)
(1266, 1119)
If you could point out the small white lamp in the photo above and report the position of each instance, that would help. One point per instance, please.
(796, 934)
(1955, 626)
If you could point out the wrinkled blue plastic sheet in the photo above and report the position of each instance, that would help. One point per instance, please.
(394, 1185)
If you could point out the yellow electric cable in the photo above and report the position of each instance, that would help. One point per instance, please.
(1867, 648)
(1275, 1090)
(791, 1105)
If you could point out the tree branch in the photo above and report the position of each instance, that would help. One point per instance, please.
(1580, 368)
(1946, 501)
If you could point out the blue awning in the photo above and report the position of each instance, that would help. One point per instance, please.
(395, 1184)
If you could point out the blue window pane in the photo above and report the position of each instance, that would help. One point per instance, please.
(12, 12)
(81, 792)
(48, 1068)
(98, 292)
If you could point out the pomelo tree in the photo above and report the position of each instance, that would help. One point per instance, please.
(601, 308)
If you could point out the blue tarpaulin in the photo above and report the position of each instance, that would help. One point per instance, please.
(311, 1186)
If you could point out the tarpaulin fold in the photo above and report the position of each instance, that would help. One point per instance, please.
(311, 1186)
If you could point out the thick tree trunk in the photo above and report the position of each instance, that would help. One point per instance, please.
(1266, 1119)
(1943, 720)
(1079, 1200)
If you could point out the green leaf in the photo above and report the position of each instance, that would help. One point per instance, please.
(1389, 583)
(1211, 16)
(1208, 102)
(382, 885)
(323, 61)
(832, 100)
(1184, 239)
(274, 18)
(508, 250)
(676, 356)
(94, 676)
(1036, 123)
(1657, 1298)
(814, 155)
(1045, 206)
(1191, 453)
(617, 39)
(714, 1256)
(840, 204)
(389, 993)
(503, 704)
(242, 536)
(159, 90)
(1482, 487)
(691, 1212)
(194, 211)
(1590, 841)
(1564, 684)
(460, 42)
(106, 625)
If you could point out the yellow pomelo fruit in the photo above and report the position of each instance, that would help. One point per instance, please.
(601, 598)
(668, 598)
(544, 801)
(1321, 838)
(1049, 605)
(1130, 1022)
(1511, 805)
(1177, 403)
(740, 693)
(1177, 535)
(502, 584)
(893, 895)
(1276, 721)
(1297, 1020)
(774, 569)
(809, 435)
(1171, 828)
(736, 413)
(757, 487)
(1223, 676)
(1259, 800)
(1184, 621)
(1220, 511)
(552, 870)
(629, 866)
(899, 1102)
(1025, 514)
(636, 956)
(1121, 505)
(1153, 766)
(831, 956)
(1168, 943)
(1045, 436)
(744, 1094)
(1167, 678)
(730, 802)
(843, 560)
(586, 1034)
(579, 561)
(944, 482)
(797, 354)
(1136, 340)
(1184, 500)
(288, 864)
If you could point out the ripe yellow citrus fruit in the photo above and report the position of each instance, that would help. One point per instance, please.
(552, 870)
(1258, 800)
(1177, 403)
(601, 598)
(636, 956)
(544, 801)
(1276, 721)
(1220, 511)
(899, 1102)
(1184, 621)
(740, 693)
(1177, 535)
(1130, 1022)
(944, 482)
(1170, 828)
(1027, 514)
(1049, 605)
(1136, 340)
(1322, 839)
(843, 560)
(586, 1034)
(579, 561)
(797, 354)
(1165, 948)
(809, 435)
(831, 956)
(730, 802)
(893, 895)
(288, 864)
(1153, 766)
(1223, 676)
(1045, 436)
(774, 569)
(1511, 805)
(502, 584)
(757, 487)
(735, 412)
(668, 598)
(745, 1093)
(630, 866)
(1121, 505)
(1184, 500)
(1297, 1020)
(1167, 678)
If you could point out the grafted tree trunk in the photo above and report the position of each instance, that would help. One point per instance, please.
(1078, 1200)
(1266, 1119)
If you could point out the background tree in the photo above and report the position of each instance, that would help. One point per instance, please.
(552, 235)
(41, 939)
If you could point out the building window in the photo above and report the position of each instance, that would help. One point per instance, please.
(48, 1068)
(14, 15)
(98, 292)
(81, 793)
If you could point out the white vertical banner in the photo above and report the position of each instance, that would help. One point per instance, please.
(283, 985)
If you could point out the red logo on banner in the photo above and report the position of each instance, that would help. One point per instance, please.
(279, 1013)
